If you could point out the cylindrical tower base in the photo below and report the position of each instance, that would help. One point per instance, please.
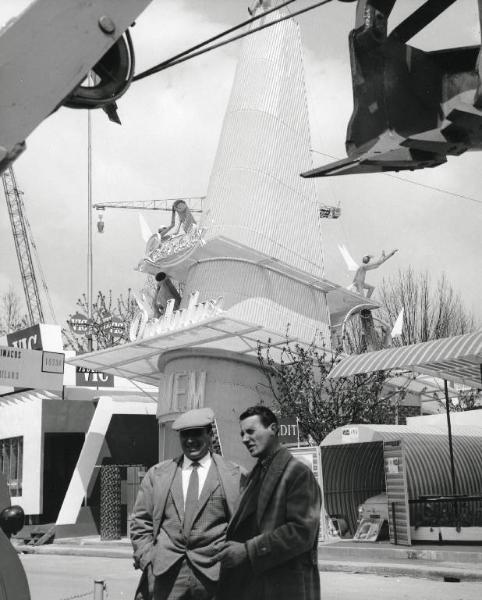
(224, 381)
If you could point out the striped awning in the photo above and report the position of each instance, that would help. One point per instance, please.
(457, 359)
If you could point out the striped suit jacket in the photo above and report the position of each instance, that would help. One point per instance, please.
(216, 506)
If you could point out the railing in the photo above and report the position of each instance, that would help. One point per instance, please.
(447, 511)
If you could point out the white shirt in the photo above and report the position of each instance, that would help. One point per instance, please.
(204, 465)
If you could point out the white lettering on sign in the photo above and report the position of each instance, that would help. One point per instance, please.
(186, 390)
(26, 342)
(289, 429)
(173, 320)
(90, 376)
(349, 435)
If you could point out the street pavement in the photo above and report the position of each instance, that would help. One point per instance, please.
(57, 577)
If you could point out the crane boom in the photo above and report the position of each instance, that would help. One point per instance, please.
(195, 204)
(22, 236)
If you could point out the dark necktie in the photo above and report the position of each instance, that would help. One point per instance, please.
(192, 497)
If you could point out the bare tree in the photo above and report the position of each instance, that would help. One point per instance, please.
(469, 399)
(109, 325)
(298, 381)
(12, 317)
(430, 311)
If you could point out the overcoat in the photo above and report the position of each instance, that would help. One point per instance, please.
(150, 546)
(283, 556)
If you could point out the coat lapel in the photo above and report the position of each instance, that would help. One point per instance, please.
(166, 478)
(229, 478)
(270, 481)
(176, 492)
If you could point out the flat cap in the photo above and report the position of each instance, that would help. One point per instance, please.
(192, 419)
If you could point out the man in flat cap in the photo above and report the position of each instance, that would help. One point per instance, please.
(271, 549)
(181, 514)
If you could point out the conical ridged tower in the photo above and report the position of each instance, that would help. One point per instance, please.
(256, 198)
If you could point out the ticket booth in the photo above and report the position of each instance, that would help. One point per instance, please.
(406, 475)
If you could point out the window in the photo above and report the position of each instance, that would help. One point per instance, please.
(11, 462)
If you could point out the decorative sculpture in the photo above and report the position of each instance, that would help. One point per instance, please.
(186, 220)
(359, 282)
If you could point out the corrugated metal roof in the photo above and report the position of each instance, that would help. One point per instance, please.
(351, 474)
(381, 433)
(351, 468)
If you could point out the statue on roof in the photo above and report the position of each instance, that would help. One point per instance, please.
(185, 220)
(359, 282)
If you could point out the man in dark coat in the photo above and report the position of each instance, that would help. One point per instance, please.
(181, 514)
(271, 549)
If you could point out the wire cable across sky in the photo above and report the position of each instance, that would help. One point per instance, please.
(201, 48)
(424, 185)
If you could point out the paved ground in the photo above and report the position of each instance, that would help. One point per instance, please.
(64, 577)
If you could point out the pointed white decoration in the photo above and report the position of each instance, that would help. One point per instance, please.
(397, 328)
(145, 229)
(347, 257)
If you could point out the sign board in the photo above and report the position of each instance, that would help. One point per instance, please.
(350, 435)
(79, 323)
(392, 465)
(310, 455)
(288, 430)
(369, 529)
(172, 320)
(37, 337)
(31, 368)
(29, 337)
(105, 320)
(88, 378)
(117, 328)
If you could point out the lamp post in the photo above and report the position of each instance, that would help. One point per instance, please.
(90, 261)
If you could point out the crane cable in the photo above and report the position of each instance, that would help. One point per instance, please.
(423, 185)
(200, 48)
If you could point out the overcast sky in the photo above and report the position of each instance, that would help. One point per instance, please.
(166, 145)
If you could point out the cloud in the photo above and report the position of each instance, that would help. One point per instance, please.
(165, 148)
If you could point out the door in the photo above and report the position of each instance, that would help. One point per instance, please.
(61, 452)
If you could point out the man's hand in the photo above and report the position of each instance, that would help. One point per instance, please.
(232, 555)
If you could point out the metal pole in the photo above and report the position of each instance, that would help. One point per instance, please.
(449, 427)
(99, 587)
(90, 260)
(89, 215)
